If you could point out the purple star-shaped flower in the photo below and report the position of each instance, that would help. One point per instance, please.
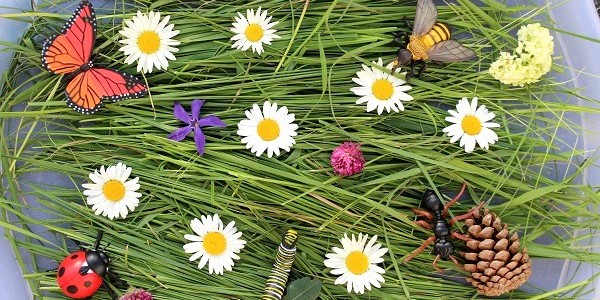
(195, 124)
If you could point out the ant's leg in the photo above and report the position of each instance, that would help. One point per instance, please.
(460, 236)
(423, 213)
(454, 200)
(434, 264)
(456, 261)
(423, 224)
(420, 249)
(466, 215)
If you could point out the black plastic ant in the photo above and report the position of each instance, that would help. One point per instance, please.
(435, 215)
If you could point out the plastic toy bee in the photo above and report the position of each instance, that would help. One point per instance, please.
(429, 41)
(81, 273)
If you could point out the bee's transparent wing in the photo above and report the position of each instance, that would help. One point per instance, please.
(450, 51)
(425, 17)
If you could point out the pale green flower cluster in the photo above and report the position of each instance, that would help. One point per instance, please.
(531, 59)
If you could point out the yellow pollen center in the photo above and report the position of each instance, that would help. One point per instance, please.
(471, 125)
(254, 32)
(148, 42)
(268, 129)
(113, 190)
(382, 89)
(214, 243)
(357, 263)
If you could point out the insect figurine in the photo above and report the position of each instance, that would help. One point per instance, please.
(429, 41)
(81, 273)
(283, 264)
(70, 53)
(435, 219)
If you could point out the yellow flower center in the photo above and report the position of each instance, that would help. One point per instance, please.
(471, 125)
(113, 190)
(148, 42)
(268, 129)
(357, 262)
(214, 243)
(254, 32)
(382, 89)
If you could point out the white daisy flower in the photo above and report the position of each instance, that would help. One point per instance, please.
(268, 130)
(214, 244)
(253, 30)
(356, 263)
(381, 90)
(148, 40)
(111, 194)
(471, 125)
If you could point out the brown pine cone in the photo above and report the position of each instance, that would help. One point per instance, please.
(494, 258)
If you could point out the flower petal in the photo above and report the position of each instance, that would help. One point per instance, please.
(180, 133)
(200, 140)
(196, 105)
(180, 113)
(212, 121)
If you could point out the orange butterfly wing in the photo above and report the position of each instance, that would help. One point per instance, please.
(70, 50)
(87, 90)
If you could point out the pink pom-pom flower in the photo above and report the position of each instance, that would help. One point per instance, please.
(347, 159)
(137, 294)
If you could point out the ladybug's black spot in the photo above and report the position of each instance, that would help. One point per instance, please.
(72, 289)
(61, 272)
(74, 256)
(87, 283)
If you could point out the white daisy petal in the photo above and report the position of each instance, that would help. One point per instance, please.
(214, 244)
(380, 90)
(148, 41)
(470, 125)
(253, 30)
(112, 194)
(355, 263)
(268, 130)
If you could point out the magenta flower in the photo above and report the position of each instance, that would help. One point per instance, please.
(195, 124)
(137, 294)
(347, 159)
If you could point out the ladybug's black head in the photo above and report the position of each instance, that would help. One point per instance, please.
(104, 257)
(403, 56)
(97, 261)
(431, 202)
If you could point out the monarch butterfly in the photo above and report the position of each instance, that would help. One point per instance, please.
(70, 52)
(281, 269)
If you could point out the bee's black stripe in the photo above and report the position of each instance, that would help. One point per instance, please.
(446, 30)
(283, 264)
(441, 30)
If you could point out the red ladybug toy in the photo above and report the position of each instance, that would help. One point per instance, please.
(81, 273)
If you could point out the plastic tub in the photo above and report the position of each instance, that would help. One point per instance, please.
(12, 284)
(578, 16)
